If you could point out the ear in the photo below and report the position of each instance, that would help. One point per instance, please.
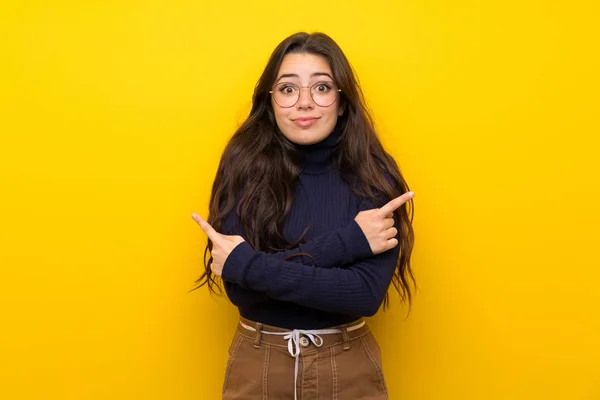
(342, 109)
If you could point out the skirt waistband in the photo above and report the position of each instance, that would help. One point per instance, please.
(274, 336)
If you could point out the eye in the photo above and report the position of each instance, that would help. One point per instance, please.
(286, 88)
(323, 87)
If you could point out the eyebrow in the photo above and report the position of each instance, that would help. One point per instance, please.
(297, 76)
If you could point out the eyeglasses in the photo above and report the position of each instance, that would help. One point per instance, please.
(287, 94)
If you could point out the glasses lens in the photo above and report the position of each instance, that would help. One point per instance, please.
(286, 94)
(324, 93)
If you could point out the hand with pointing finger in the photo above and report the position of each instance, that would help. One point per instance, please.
(223, 245)
(378, 224)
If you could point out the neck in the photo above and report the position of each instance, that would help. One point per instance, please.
(316, 159)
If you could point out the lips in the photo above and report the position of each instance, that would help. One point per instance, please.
(305, 121)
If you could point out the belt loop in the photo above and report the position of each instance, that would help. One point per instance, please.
(258, 328)
(345, 337)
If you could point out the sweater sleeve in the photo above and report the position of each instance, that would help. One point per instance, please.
(357, 288)
(332, 249)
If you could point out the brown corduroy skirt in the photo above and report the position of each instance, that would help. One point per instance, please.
(345, 365)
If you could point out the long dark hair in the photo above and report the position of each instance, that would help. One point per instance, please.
(257, 171)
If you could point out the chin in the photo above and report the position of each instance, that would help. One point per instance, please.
(306, 137)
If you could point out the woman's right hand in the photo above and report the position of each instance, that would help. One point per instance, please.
(378, 224)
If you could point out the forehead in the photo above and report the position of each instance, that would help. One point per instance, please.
(304, 65)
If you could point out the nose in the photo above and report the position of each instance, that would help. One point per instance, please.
(305, 101)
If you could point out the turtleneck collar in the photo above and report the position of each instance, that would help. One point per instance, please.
(315, 159)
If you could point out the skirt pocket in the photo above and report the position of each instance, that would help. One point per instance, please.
(244, 376)
(357, 372)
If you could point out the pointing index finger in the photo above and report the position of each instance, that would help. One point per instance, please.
(394, 204)
(206, 227)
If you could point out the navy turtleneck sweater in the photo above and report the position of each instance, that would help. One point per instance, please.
(341, 282)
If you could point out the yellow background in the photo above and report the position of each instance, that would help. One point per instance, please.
(113, 116)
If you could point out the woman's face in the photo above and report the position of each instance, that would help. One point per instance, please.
(306, 122)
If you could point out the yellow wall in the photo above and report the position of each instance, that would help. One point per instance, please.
(112, 118)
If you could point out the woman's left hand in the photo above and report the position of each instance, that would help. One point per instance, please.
(223, 245)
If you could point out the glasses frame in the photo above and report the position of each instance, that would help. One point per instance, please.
(337, 94)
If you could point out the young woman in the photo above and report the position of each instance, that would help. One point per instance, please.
(308, 226)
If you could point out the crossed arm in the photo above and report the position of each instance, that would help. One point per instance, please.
(348, 272)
